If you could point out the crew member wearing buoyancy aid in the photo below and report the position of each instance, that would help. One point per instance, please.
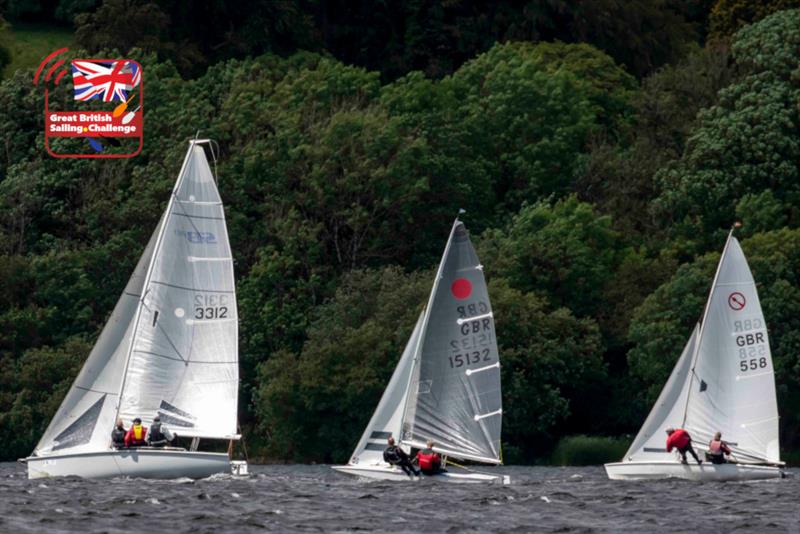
(394, 455)
(118, 435)
(717, 449)
(430, 462)
(157, 435)
(136, 434)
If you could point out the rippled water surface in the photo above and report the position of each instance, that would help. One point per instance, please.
(314, 498)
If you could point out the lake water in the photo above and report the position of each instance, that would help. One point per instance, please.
(303, 498)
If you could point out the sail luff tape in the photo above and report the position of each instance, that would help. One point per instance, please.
(193, 259)
(484, 416)
(471, 371)
(467, 319)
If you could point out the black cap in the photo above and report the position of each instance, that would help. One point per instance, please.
(156, 418)
(137, 420)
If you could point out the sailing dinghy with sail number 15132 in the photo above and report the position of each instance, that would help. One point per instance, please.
(446, 386)
(723, 382)
(170, 348)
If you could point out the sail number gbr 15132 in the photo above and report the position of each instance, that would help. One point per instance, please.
(475, 328)
(211, 306)
(751, 344)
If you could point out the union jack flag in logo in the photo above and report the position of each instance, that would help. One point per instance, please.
(105, 80)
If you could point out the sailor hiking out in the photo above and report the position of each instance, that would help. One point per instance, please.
(681, 440)
(394, 455)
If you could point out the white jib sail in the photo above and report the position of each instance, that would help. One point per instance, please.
(85, 418)
(732, 384)
(668, 410)
(388, 417)
(183, 360)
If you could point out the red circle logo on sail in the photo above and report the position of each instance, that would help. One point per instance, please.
(461, 288)
(736, 301)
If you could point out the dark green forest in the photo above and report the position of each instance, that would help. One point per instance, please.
(601, 150)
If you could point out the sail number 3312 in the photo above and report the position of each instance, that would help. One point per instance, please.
(211, 306)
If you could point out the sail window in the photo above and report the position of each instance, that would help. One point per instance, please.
(80, 432)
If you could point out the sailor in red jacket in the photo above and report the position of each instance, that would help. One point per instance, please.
(430, 462)
(681, 440)
(136, 434)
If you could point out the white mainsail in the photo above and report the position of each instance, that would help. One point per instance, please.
(387, 419)
(724, 380)
(183, 359)
(454, 393)
(732, 387)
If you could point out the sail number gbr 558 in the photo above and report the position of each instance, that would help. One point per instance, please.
(475, 327)
(752, 343)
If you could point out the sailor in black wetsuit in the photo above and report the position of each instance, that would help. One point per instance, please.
(118, 435)
(394, 455)
(157, 435)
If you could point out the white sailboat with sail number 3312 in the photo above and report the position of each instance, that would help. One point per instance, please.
(446, 386)
(169, 348)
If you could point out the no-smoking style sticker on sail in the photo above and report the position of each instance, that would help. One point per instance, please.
(736, 301)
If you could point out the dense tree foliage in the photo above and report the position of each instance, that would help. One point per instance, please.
(601, 151)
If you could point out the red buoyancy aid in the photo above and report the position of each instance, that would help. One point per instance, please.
(429, 461)
(678, 439)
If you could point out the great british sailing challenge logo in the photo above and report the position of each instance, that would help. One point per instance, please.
(108, 97)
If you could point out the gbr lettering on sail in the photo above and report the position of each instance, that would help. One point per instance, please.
(752, 344)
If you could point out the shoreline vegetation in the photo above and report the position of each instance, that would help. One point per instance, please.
(601, 152)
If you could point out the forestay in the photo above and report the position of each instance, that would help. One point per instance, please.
(668, 411)
(455, 397)
(183, 360)
(387, 419)
(85, 418)
(732, 385)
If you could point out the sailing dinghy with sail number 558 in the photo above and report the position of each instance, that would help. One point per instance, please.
(170, 348)
(446, 386)
(723, 381)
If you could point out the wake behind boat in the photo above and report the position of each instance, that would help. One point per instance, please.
(446, 386)
(170, 348)
(724, 381)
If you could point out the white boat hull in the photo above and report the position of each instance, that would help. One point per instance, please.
(141, 463)
(385, 472)
(691, 471)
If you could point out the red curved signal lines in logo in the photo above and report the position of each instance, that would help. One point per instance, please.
(45, 61)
